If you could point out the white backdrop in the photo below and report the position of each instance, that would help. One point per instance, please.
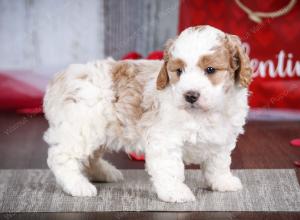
(50, 33)
(47, 35)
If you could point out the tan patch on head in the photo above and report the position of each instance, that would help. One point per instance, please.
(172, 67)
(230, 57)
(220, 61)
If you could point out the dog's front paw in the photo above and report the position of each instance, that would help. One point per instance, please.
(176, 192)
(226, 183)
(79, 187)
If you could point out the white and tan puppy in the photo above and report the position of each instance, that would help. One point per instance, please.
(188, 108)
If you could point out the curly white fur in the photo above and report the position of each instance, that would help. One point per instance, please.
(110, 105)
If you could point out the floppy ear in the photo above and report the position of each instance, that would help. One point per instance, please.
(240, 61)
(163, 77)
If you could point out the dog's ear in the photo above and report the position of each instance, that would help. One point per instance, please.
(240, 62)
(163, 76)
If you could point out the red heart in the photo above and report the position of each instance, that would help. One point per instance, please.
(297, 163)
(295, 143)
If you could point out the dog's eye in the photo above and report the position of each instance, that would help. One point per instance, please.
(179, 71)
(210, 70)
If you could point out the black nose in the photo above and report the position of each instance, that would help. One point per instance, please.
(191, 96)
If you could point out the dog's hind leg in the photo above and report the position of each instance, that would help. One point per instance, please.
(72, 142)
(101, 170)
(78, 106)
(68, 171)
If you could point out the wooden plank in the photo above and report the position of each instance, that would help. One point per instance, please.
(142, 26)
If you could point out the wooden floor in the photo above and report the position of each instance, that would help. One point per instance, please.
(264, 145)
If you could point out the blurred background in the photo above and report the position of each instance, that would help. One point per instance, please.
(41, 37)
(55, 33)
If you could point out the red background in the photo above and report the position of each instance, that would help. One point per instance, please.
(266, 40)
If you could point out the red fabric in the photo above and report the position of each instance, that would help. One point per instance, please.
(132, 55)
(297, 163)
(155, 55)
(31, 111)
(295, 142)
(16, 94)
(265, 42)
(134, 156)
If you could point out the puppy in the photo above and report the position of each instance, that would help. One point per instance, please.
(188, 108)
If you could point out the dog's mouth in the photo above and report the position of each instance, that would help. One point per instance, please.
(195, 107)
